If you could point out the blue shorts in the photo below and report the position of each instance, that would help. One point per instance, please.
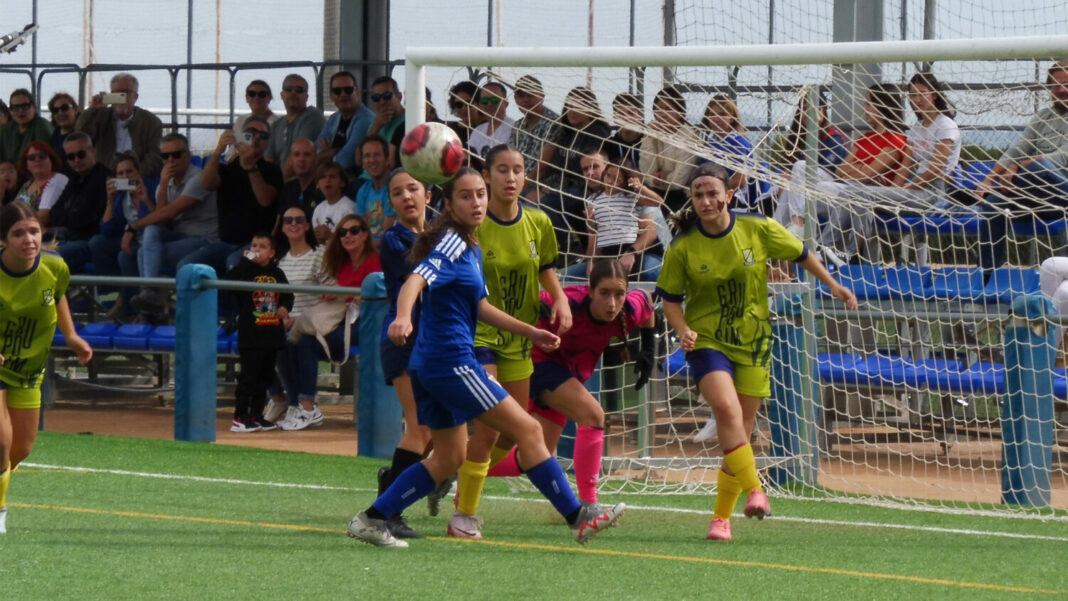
(485, 355)
(548, 376)
(395, 358)
(448, 397)
(750, 380)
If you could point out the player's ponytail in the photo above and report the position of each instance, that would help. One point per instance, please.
(442, 223)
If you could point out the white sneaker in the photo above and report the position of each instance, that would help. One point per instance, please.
(707, 431)
(291, 414)
(275, 409)
(3, 520)
(373, 531)
(304, 418)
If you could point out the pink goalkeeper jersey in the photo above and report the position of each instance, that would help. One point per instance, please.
(581, 347)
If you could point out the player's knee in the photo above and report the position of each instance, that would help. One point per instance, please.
(529, 433)
(591, 416)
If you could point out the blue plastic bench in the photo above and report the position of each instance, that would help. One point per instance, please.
(132, 337)
(1007, 283)
(909, 282)
(868, 282)
(962, 283)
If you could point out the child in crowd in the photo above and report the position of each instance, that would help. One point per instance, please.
(328, 214)
(260, 333)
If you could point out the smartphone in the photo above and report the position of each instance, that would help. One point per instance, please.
(124, 184)
(115, 98)
(244, 137)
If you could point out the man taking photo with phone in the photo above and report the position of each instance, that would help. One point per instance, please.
(116, 125)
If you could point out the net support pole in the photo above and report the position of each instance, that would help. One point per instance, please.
(379, 415)
(810, 409)
(195, 346)
(1027, 413)
(415, 99)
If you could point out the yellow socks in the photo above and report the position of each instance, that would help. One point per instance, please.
(5, 480)
(496, 454)
(469, 486)
(742, 464)
(727, 492)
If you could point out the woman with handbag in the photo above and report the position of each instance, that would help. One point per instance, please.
(325, 330)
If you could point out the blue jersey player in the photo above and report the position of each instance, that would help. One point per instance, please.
(450, 386)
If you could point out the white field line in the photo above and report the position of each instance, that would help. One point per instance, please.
(778, 518)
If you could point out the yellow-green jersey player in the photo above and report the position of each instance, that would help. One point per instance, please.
(518, 255)
(33, 286)
(717, 266)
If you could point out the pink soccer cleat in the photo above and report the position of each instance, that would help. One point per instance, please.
(719, 529)
(756, 505)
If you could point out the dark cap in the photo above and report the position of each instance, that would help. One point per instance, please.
(528, 84)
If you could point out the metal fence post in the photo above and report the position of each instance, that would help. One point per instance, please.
(195, 364)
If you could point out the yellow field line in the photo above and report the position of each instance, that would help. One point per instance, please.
(586, 550)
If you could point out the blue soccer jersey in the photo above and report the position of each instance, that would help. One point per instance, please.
(393, 254)
(455, 286)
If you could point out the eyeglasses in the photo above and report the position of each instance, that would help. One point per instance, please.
(347, 90)
(259, 134)
(489, 100)
(349, 231)
(37, 156)
(377, 97)
(81, 154)
(177, 154)
(20, 106)
(299, 220)
(4, 172)
(63, 108)
(257, 93)
(297, 89)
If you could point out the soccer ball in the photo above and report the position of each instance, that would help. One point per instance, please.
(432, 153)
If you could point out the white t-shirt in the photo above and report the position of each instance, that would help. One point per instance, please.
(305, 270)
(480, 142)
(331, 214)
(923, 140)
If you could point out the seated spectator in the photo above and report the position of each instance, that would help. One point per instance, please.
(372, 198)
(39, 168)
(389, 115)
(5, 114)
(65, 111)
(25, 126)
(725, 134)
(461, 104)
(9, 181)
(302, 262)
(622, 226)
(833, 144)
(75, 218)
(301, 189)
(1031, 177)
(875, 159)
(492, 101)
(1053, 279)
(300, 121)
(123, 127)
(348, 258)
(258, 96)
(345, 128)
(114, 249)
(665, 162)
(335, 206)
(185, 219)
(627, 114)
(246, 196)
(531, 133)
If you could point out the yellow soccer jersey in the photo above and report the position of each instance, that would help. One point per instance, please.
(724, 283)
(28, 318)
(513, 256)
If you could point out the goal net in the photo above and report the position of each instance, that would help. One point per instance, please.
(931, 177)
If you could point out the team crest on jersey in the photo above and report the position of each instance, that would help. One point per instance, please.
(47, 299)
(436, 262)
(747, 257)
(703, 268)
(490, 255)
(533, 249)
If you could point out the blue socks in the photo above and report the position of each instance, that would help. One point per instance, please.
(551, 482)
(411, 485)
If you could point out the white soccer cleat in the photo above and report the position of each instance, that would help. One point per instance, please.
(590, 524)
(707, 431)
(462, 525)
(3, 520)
(372, 531)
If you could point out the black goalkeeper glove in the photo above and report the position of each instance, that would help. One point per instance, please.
(646, 360)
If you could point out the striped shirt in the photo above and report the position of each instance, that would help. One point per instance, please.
(615, 218)
(305, 270)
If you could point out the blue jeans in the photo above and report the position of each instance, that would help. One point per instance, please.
(220, 256)
(1042, 181)
(305, 355)
(76, 254)
(162, 249)
(648, 272)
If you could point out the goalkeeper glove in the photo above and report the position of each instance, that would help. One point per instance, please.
(643, 365)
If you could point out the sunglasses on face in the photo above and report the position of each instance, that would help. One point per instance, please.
(350, 231)
(377, 97)
(63, 108)
(297, 89)
(36, 157)
(489, 100)
(258, 134)
(346, 90)
(257, 93)
(20, 106)
(177, 154)
(76, 155)
(299, 220)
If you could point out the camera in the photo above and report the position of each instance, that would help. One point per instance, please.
(115, 98)
(244, 137)
(125, 184)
